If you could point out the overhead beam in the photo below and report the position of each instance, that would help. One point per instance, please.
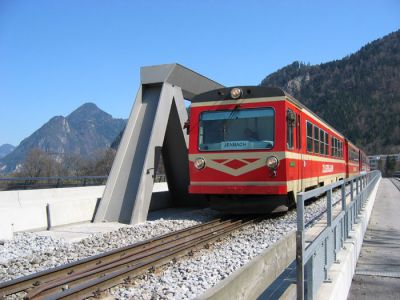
(191, 82)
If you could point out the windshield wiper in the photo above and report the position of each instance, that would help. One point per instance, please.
(234, 111)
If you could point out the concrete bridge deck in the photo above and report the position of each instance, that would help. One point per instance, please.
(377, 273)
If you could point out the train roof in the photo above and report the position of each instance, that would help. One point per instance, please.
(249, 92)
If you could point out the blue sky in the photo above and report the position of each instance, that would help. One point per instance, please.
(57, 55)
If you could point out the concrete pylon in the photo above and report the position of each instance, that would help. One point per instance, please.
(155, 125)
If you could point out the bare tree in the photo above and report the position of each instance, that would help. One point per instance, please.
(73, 165)
(39, 164)
(103, 162)
(42, 164)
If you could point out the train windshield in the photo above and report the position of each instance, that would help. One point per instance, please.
(237, 129)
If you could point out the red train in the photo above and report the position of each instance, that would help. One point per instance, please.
(253, 148)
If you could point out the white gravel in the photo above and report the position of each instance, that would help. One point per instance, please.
(29, 252)
(190, 276)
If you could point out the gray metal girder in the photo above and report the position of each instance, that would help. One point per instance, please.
(155, 123)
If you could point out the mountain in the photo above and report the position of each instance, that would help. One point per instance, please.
(84, 131)
(359, 95)
(6, 149)
(115, 143)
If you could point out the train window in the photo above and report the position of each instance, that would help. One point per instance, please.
(340, 149)
(334, 147)
(326, 144)
(309, 137)
(337, 148)
(290, 124)
(316, 139)
(237, 129)
(298, 132)
(321, 139)
(351, 157)
(354, 155)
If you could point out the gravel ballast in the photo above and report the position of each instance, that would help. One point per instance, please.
(188, 277)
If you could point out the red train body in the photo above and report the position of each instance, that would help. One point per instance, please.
(252, 149)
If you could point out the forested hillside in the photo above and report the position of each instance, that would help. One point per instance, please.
(359, 94)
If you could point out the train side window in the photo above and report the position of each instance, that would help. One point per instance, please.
(334, 147)
(309, 137)
(337, 148)
(290, 124)
(298, 132)
(321, 144)
(326, 144)
(316, 139)
(354, 155)
(342, 150)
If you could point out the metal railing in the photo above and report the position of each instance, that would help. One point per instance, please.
(24, 183)
(315, 259)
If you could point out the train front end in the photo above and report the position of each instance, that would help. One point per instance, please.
(236, 151)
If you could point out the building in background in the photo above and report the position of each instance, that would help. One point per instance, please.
(388, 164)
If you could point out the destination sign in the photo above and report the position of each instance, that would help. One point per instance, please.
(235, 145)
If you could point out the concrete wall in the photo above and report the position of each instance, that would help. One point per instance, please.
(253, 278)
(25, 210)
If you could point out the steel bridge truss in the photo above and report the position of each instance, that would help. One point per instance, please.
(155, 127)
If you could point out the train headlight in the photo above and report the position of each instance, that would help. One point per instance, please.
(272, 162)
(236, 93)
(199, 163)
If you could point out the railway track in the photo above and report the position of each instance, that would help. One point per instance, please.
(94, 275)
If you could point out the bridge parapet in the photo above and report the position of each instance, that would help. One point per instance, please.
(317, 251)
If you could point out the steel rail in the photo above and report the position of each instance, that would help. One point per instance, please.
(83, 278)
(150, 254)
(100, 284)
(30, 281)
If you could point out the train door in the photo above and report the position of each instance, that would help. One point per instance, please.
(347, 157)
(300, 168)
(307, 157)
(295, 163)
